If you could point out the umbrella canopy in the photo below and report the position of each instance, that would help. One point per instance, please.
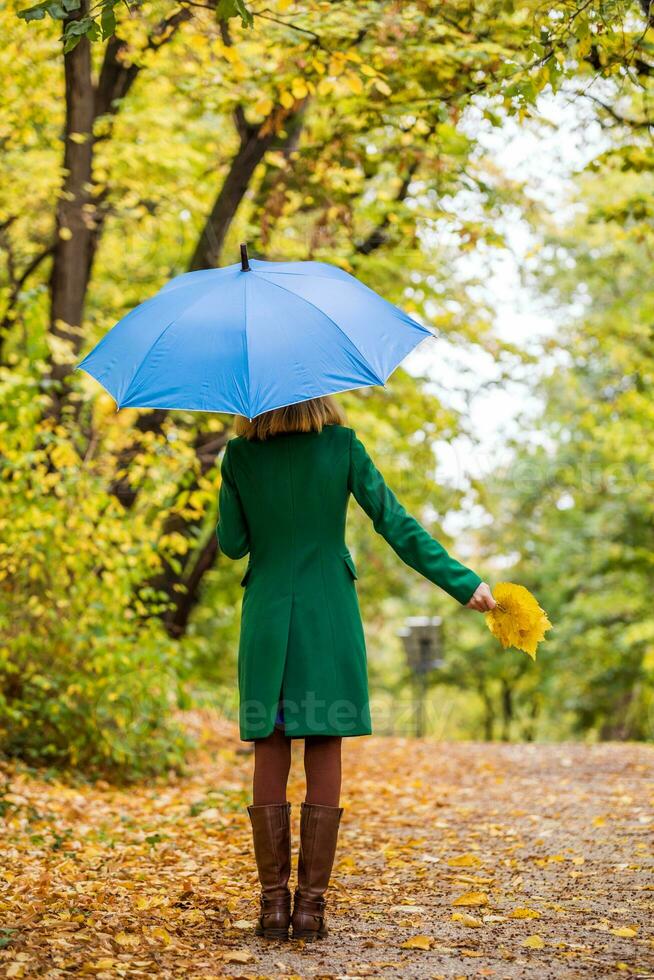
(252, 337)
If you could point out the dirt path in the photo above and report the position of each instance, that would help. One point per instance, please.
(517, 861)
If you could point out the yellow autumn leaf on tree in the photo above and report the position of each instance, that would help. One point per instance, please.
(418, 942)
(354, 84)
(287, 100)
(299, 88)
(517, 620)
(263, 107)
(63, 454)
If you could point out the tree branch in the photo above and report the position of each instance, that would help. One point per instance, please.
(16, 287)
(621, 120)
(378, 236)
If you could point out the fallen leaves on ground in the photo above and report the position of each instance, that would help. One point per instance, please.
(418, 942)
(471, 898)
(467, 920)
(450, 855)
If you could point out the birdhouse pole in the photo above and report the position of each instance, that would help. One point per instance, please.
(423, 644)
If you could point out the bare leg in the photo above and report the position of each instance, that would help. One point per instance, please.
(322, 765)
(272, 761)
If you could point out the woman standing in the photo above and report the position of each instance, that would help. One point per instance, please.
(286, 482)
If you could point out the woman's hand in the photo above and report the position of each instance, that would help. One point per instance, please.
(482, 599)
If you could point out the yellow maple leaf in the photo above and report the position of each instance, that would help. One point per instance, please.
(517, 620)
(418, 942)
(626, 932)
(533, 942)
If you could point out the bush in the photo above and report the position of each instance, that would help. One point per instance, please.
(88, 676)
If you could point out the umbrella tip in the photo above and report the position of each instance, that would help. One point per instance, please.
(245, 262)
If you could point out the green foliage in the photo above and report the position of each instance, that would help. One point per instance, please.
(87, 675)
(226, 9)
(100, 24)
(577, 505)
(100, 21)
(58, 11)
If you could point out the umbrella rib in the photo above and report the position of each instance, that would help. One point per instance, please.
(145, 357)
(308, 275)
(247, 346)
(340, 329)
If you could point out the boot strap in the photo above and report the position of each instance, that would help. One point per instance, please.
(314, 906)
(280, 902)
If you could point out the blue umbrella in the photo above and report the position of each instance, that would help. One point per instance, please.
(252, 337)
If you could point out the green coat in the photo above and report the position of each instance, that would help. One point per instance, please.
(284, 501)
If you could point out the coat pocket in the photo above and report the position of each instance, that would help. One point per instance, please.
(349, 561)
(244, 580)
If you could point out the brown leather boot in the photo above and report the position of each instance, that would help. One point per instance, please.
(271, 832)
(318, 836)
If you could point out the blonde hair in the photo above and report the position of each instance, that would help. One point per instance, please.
(309, 416)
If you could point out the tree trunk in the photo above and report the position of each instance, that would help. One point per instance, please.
(616, 727)
(489, 713)
(74, 219)
(255, 142)
(529, 733)
(177, 617)
(507, 710)
(181, 589)
(78, 221)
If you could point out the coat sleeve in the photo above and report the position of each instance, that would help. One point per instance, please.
(232, 529)
(408, 538)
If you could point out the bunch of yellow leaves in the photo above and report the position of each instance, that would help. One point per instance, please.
(517, 620)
